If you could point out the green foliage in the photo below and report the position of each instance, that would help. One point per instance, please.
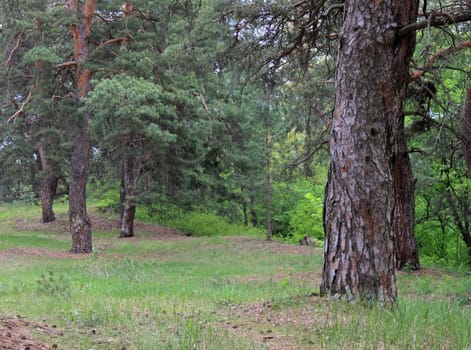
(298, 210)
(195, 223)
(41, 54)
(306, 217)
(104, 196)
(23, 194)
(127, 108)
(207, 224)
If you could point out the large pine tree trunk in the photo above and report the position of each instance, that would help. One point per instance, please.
(79, 221)
(371, 82)
(129, 204)
(48, 186)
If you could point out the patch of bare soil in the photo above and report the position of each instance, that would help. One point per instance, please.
(40, 252)
(277, 324)
(287, 276)
(275, 246)
(274, 326)
(16, 333)
(153, 231)
(99, 223)
(61, 224)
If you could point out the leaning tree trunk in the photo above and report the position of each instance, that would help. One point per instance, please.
(129, 203)
(48, 186)
(79, 220)
(359, 202)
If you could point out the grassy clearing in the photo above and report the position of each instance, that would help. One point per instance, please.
(219, 292)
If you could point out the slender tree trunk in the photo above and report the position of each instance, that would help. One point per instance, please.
(253, 211)
(307, 148)
(457, 205)
(129, 208)
(79, 221)
(122, 197)
(466, 131)
(244, 206)
(268, 185)
(371, 80)
(48, 187)
(244, 211)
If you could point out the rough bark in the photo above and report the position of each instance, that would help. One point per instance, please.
(80, 223)
(79, 220)
(129, 204)
(371, 85)
(48, 186)
(406, 249)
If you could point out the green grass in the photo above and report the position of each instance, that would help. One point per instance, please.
(214, 292)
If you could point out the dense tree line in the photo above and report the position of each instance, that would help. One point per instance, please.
(236, 105)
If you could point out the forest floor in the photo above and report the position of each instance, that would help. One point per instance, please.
(260, 322)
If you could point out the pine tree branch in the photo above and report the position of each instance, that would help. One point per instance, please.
(21, 109)
(435, 20)
(16, 48)
(67, 64)
(419, 72)
(115, 41)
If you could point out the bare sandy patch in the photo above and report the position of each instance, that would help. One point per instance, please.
(17, 333)
(40, 252)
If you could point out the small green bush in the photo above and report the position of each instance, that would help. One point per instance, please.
(207, 224)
